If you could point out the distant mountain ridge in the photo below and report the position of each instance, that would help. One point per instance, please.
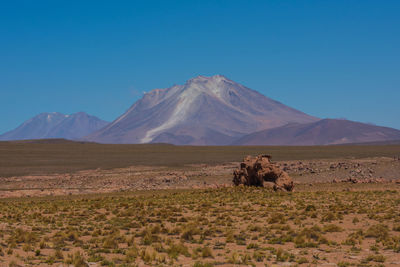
(204, 111)
(56, 125)
(323, 132)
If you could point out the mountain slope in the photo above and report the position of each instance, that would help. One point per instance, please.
(204, 111)
(323, 132)
(56, 125)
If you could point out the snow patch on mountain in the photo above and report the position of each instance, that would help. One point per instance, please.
(180, 113)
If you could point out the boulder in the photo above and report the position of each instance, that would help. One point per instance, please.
(260, 171)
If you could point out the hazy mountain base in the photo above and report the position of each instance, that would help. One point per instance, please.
(323, 132)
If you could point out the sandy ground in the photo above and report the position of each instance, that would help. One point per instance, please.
(371, 170)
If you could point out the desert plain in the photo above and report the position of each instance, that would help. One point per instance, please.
(84, 204)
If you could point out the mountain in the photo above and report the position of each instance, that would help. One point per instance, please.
(323, 132)
(56, 125)
(204, 111)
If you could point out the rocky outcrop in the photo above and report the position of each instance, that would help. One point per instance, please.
(260, 171)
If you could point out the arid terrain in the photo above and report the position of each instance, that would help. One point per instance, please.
(83, 204)
(332, 173)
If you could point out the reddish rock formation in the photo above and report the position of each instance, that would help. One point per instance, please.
(260, 171)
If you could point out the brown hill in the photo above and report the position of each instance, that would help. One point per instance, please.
(323, 132)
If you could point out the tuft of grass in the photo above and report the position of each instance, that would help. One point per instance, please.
(378, 231)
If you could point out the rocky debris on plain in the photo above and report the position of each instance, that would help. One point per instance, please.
(260, 171)
(359, 181)
(367, 169)
(384, 171)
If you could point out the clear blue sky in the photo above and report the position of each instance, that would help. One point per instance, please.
(337, 59)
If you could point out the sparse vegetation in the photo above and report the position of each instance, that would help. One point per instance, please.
(206, 227)
(347, 224)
